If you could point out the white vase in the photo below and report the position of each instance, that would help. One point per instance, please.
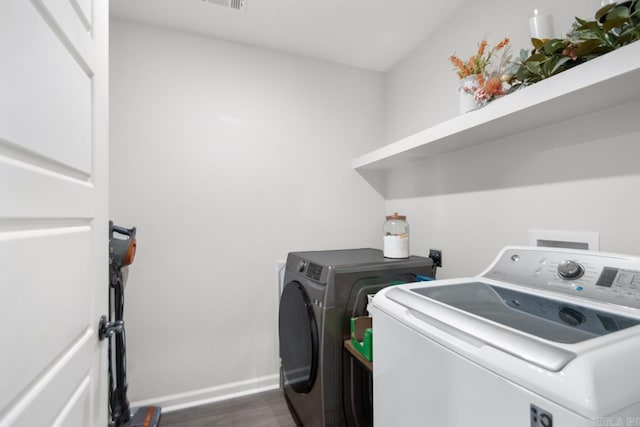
(467, 103)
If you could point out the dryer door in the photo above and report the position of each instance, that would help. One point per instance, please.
(298, 338)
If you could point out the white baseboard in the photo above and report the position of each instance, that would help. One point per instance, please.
(203, 396)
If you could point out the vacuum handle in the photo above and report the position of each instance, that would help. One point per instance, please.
(124, 230)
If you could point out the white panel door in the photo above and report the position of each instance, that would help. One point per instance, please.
(53, 212)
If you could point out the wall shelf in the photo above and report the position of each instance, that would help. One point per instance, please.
(601, 83)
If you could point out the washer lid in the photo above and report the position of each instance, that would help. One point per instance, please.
(456, 308)
(468, 327)
(547, 318)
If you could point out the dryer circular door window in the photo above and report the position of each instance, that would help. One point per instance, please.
(298, 338)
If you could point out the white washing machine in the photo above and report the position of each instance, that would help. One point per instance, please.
(544, 337)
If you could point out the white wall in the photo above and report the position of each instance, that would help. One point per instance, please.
(581, 174)
(226, 157)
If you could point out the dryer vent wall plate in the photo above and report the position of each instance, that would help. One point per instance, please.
(586, 240)
(239, 5)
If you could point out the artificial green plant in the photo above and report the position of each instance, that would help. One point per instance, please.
(615, 25)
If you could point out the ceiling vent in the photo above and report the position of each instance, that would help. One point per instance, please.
(239, 5)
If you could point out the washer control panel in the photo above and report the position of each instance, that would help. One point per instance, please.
(314, 271)
(597, 276)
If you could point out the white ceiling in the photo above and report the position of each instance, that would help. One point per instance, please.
(372, 34)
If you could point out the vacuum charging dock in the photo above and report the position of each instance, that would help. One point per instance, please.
(144, 416)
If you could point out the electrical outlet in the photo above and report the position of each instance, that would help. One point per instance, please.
(436, 256)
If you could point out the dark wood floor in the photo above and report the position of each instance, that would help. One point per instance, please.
(267, 409)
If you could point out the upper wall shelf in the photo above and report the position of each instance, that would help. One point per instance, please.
(606, 81)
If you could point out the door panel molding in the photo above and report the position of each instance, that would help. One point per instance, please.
(20, 227)
(66, 23)
(46, 104)
(83, 9)
(77, 408)
(53, 388)
(44, 299)
(64, 197)
(18, 155)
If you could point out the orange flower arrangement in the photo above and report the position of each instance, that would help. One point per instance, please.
(489, 83)
(478, 62)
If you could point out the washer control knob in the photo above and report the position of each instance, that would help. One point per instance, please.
(570, 270)
(301, 266)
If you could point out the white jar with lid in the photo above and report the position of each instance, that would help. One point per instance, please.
(396, 236)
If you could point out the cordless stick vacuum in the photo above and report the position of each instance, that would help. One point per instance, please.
(122, 251)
